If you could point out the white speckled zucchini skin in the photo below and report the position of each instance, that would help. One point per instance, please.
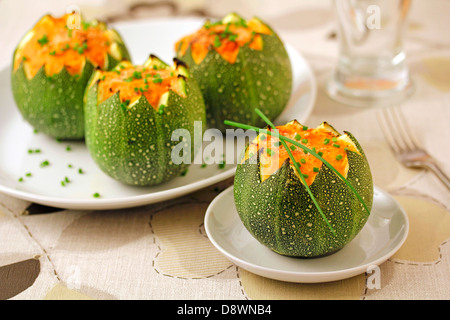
(134, 146)
(280, 214)
(258, 79)
(54, 104)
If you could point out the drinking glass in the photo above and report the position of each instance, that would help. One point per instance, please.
(371, 70)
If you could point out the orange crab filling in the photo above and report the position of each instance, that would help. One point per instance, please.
(226, 39)
(324, 142)
(53, 45)
(132, 82)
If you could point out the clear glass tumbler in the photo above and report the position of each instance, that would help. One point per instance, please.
(371, 69)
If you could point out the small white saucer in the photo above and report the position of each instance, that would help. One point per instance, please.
(384, 233)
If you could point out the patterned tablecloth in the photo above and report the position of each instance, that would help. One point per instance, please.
(161, 251)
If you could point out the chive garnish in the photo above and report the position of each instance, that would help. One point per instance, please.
(157, 80)
(286, 139)
(293, 147)
(297, 168)
(43, 40)
(336, 145)
(44, 164)
(302, 160)
(297, 137)
(96, 195)
(315, 169)
(217, 42)
(304, 140)
(270, 152)
(339, 157)
(326, 141)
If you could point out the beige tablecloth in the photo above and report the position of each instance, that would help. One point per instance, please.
(161, 251)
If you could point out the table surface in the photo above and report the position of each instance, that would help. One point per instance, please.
(161, 251)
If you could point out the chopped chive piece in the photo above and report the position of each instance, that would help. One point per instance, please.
(63, 183)
(304, 140)
(37, 151)
(70, 166)
(161, 109)
(305, 176)
(43, 40)
(35, 131)
(297, 137)
(66, 180)
(221, 165)
(137, 75)
(30, 151)
(315, 169)
(334, 140)
(292, 147)
(52, 53)
(217, 42)
(305, 128)
(157, 80)
(277, 144)
(28, 174)
(336, 145)
(96, 195)
(233, 37)
(303, 161)
(44, 164)
(80, 171)
(203, 165)
(339, 157)
(270, 152)
(320, 153)
(20, 179)
(68, 148)
(326, 141)
(184, 172)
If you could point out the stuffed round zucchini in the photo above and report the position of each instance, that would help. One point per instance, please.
(239, 65)
(274, 204)
(131, 113)
(51, 67)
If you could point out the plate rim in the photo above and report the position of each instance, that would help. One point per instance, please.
(303, 277)
(158, 196)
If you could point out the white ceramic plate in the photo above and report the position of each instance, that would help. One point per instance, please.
(44, 186)
(384, 233)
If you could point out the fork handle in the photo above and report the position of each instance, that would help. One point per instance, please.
(439, 173)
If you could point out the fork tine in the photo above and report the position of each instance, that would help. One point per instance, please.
(403, 125)
(386, 127)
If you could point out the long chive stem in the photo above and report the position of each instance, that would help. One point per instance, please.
(298, 170)
(296, 143)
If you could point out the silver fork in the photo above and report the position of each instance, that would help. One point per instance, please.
(404, 145)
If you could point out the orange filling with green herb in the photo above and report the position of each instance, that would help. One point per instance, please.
(323, 140)
(225, 38)
(132, 82)
(53, 45)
